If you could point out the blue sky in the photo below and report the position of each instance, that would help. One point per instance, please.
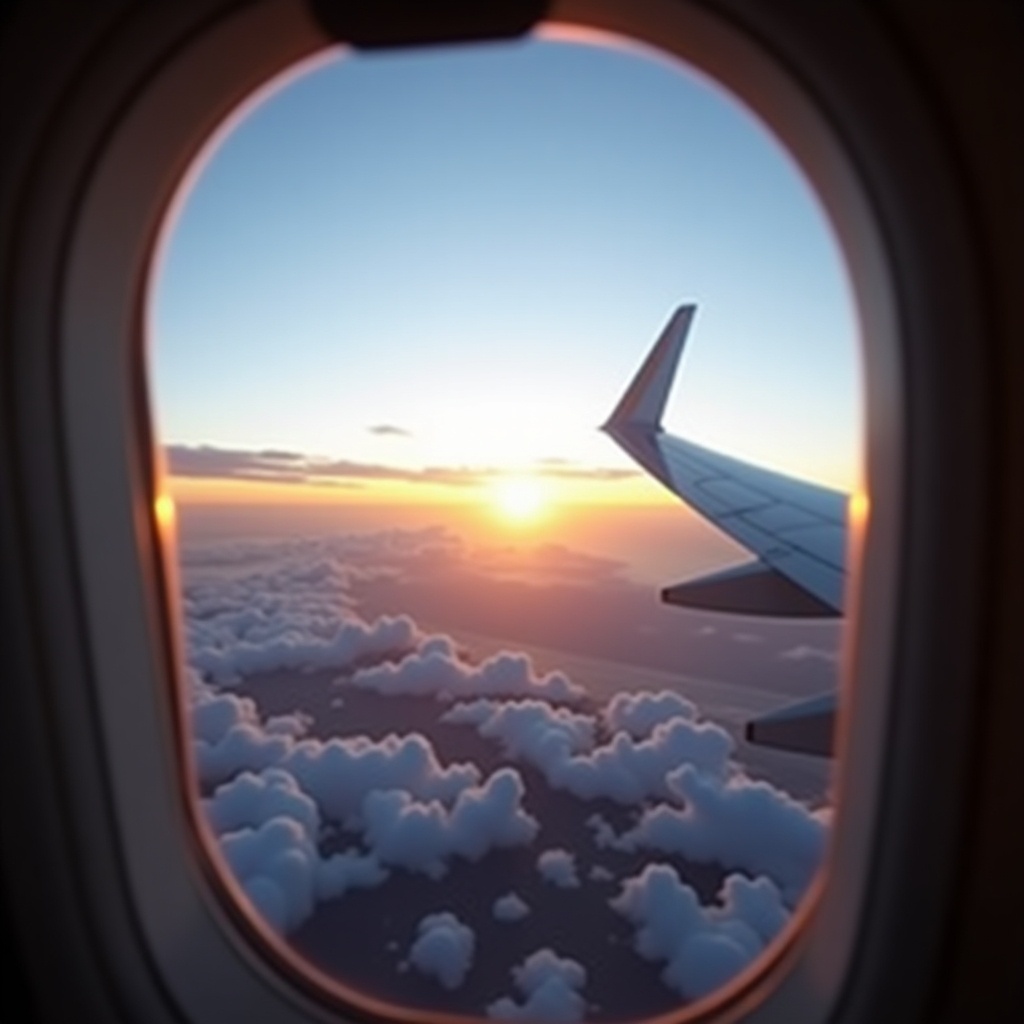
(479, 245)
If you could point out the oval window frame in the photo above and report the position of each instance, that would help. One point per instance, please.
(110, 462)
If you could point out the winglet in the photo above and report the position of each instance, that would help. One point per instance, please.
(644, 401)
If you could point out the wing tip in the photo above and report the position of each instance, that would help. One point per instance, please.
(643, 402)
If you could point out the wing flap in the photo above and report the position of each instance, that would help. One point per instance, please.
(807, 727)
(750, 589)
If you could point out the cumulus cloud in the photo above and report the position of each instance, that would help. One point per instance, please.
(268, 829)
(251, 800)
(638, 713)
(605, 837)
(550, 986)
(443, 949)
(562, 745)
(510, 907)
(293, 615)
(558, 867)
(412, 811)
(228, 736)
(340, 773)
(529, 729)
(702, 947)
(437, 670)
(289, 647)
(738, 823)
(350, 869)
(420, 836)
(281, 871)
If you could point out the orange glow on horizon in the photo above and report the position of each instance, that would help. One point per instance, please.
(632, 491)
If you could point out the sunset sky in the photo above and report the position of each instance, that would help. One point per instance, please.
(413, 277)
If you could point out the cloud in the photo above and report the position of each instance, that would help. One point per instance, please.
(340, 773)
(274, 466)
(420, 836)
(273, 650)
(550, 986)
(510, 907)
(702, 947)
(228, 737)
(748, 638)
(251, 800)
(443, 949)
(235, 463)
(627, 770)
(273, 792)
(605, 837)
(561, 744)
(805, 652)
(531, 730)
(558, 867)
(348, 870)
(437, 670)
(389, 430)
(211, 462)
(411, 810)
(638, 713)
(294, 616)
(738, 823)
(561, 471)
(279, 868)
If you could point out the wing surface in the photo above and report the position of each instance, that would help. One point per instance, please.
(796, 530)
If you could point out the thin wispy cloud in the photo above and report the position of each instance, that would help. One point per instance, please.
(389, 430)
(211, 462)
(285, 467)
(567, 472)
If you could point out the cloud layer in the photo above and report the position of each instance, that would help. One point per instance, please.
(285, 467)
(302, 817)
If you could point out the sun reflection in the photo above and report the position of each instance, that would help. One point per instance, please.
(858, 507)
(165, 512)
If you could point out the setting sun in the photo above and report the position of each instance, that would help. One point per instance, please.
(520, 499)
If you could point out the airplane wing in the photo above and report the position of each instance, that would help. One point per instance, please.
(796, 530)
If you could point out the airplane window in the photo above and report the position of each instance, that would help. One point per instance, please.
(493, 711)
